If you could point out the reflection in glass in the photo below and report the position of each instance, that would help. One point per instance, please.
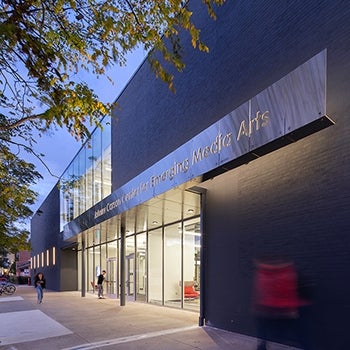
(97, 234)
(97, 165)
(97, 268)
(112, 227)
(130, 265)
(191, 257)
(172, 265)
(111, 277)
(90, 273)
(155, 252)
(141, 267)
(162, 262)
(87, 180)
(112, 269)
(103, 257)
(89, 196)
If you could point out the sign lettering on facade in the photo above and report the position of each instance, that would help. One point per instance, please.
(289, 104)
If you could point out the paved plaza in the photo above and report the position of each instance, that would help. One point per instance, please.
(66, 321)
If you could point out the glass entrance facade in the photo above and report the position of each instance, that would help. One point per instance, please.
(162, 249)
(156, 259)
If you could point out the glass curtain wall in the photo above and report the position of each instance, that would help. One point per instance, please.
(87, 180)
(174, 265)
(162, 264)
(96, 169)
(106, 170)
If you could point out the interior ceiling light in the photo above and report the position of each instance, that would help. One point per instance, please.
(155, 222)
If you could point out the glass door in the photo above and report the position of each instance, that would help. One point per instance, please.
(130, 267)
(141, 267)
(129, 274)
(155, 267)
(191, 264)
(111, 277)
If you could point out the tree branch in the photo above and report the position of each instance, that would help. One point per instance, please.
(19, 122)
(29, 150)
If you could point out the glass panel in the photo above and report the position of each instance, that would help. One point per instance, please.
(65, 200)
(89, 238)
(111, 277)
(129, 265)
(103, 233)
(141, 267)
(113, 228)
(172, 207)
(141, 218)
(155, 210)
(112, 268)
(112, 250)
(191, 261)
(130, 221)
(82, 181)
(89, 177)
(97, 269)
(106, 172)
(172, 265)
(75, 186)
(97, 234)
(155, 252)
(106, 158)
(67, 195)
(97, 164)
(90, 273)
(106, 133)
(103, 256)
(191, 206)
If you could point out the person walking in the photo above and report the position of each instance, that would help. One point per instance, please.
(276, 300)
(100, 281)
(40, 284)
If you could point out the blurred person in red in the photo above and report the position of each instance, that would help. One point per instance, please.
(276, 301)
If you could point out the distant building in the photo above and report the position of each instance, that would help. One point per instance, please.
(23, 263)
(181, 193)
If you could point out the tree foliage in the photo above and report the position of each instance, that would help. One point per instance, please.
(44, 44)
(16, 177)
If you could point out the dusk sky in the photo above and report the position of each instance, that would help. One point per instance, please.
(60, 147)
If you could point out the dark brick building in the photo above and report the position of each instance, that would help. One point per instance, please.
(288, 196)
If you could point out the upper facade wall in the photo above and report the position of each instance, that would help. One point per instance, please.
(252, 45)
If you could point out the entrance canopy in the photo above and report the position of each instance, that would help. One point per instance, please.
(172, 206)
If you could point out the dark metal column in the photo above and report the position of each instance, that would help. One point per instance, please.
(83, 277)
(122, 260)
(202, 259)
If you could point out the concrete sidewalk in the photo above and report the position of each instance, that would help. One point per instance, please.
(67, 321)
